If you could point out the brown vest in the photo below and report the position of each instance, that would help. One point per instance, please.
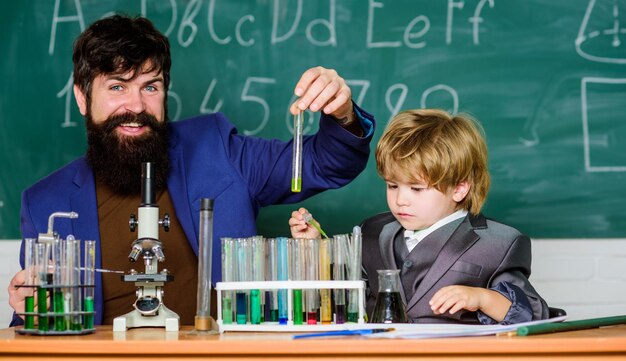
(116, 240)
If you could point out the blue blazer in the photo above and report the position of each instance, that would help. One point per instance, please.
(208, 160)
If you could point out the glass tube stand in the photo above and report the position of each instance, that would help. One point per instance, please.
(359, 286)
(45, 316)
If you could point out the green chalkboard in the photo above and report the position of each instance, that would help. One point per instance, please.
(546, 78)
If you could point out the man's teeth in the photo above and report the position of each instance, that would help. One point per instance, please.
(133, 125)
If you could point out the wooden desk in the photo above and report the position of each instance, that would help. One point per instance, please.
(156, 344)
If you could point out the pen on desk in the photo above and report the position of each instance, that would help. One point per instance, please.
(568, 326)
(343, 333)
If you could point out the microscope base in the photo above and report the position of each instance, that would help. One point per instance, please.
(165, 318)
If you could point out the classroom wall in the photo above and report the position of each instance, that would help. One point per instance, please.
(585, 277)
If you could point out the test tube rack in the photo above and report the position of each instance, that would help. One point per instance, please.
(53, 315)
(290, 285)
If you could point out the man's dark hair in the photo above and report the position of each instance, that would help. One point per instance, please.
(118, 45)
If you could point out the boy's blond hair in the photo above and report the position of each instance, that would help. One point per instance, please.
(431, 146)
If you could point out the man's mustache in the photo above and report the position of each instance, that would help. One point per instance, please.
(143, 119)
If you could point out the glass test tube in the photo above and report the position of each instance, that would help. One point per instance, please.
(243, 266)
(258, 274)
(340, 245)
(76, 300)
(228, 273)
(354, 273)
(58, 260)
(326, 314)
(89, 283)
(283, 275)
(295, 273)
(67, 275)
(31, 274)
(272, 275)
(42, 257)
(312, 269)
(296, 171)
(205, 246)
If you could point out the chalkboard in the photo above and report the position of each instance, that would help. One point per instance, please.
(547, 79)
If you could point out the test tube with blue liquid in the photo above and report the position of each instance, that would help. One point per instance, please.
(283, 275)
(272, 275)
(228, 273)
(296, 175)
(31, 281)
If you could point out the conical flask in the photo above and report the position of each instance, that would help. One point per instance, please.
(389, 307)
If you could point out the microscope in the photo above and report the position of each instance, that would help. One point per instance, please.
(149, 308)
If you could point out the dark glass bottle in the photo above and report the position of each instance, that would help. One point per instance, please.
(389, 307)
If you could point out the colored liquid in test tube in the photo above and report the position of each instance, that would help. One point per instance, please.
(258, 274)
(43, 255)
(89, 279)
(296, 269)
(228, 271)
(58, 259)
(326, 314)
(75, 321)
(243, 275)
(354, 273)
(283, 275)
(340, 245)
(31, 275)
(312, 274)
(296, 175)
(272, 275)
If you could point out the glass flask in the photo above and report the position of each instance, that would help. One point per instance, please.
(389, 307)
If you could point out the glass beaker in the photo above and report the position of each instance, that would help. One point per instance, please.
(389, 307)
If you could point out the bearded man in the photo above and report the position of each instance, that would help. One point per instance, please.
(121, 77)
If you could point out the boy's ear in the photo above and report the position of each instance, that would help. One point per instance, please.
(460, 191)
(81, 100)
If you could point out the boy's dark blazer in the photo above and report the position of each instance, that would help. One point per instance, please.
(471, 251)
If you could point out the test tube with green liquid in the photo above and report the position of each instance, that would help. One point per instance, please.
(354, 273)
(89, 283)
(295, 274)
(58, 260)
(296, 171)
(31, 277)
(228, 268)
(326, 314)
(340, 245)
(258, 274)
(312, 274)
(76, 299)
(42, 257)
(283, 275)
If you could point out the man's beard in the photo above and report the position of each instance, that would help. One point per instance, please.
(116, 161)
